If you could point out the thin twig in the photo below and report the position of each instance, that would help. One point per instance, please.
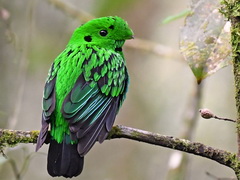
(207, 114)
(224, 119)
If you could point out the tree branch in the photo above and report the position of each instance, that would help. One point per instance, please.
(221, 156)
(231, 10)
(13, 137)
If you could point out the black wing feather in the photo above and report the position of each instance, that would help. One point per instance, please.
(49, 102)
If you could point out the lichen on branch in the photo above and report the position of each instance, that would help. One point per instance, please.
(13, 137)
(231, 10)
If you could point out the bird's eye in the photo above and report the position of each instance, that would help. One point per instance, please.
(103, 32)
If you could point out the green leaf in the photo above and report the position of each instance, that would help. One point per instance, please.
(204, 40)
(177, 16)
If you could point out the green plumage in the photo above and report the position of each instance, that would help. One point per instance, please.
(85, 88)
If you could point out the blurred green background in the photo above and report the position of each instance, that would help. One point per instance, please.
(34, 32)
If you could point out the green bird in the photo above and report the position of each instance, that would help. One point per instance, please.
(86, 85)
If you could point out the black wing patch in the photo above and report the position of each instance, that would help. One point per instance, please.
(90, 114)
(49, 102)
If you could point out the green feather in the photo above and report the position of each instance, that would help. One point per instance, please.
(96, 76)
(100, 110)
(47, 104)
(104, 70)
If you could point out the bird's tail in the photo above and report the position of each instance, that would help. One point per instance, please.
(64, 160)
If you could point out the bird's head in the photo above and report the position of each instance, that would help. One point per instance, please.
(105, 32)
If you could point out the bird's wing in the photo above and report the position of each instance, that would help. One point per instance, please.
(92, 104)
(48, 104)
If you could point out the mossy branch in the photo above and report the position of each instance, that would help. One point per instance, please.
(221, 156)
(13, 137)
(231, 10)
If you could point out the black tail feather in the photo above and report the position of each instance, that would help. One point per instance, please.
(64, 160)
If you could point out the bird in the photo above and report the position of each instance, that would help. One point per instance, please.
(84, 90)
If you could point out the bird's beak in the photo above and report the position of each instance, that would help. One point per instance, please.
(130, 37)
